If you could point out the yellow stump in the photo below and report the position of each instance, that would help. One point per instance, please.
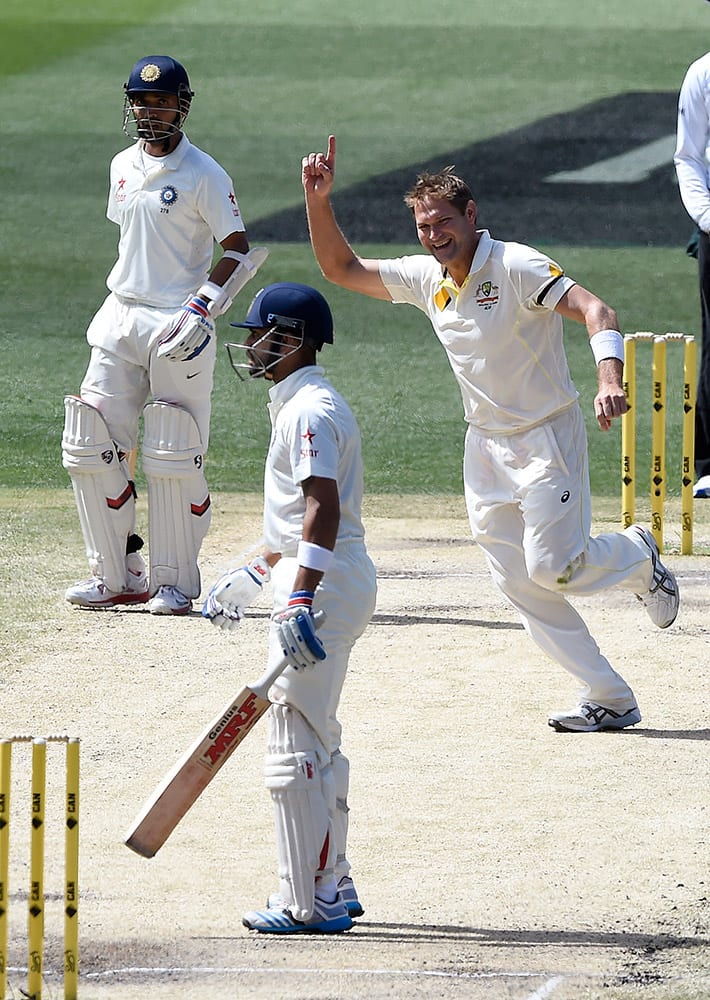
(71, 875)
(690, 356)
(5, 763)
(628, 436)
(658, 440)
(35, 910)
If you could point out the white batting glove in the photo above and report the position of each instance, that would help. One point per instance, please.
(189, 331)
(297, 632)
(235, 591)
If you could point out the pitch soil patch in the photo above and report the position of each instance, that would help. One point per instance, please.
(494, 857)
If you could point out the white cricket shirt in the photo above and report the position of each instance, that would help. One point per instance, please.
(313, 433)
(170, 210)
(503, 339)
(692, 153)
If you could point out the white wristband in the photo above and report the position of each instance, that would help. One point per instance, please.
(607, 344)
(314, 556)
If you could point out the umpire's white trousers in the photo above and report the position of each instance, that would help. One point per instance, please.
(347, 595)
(529, 506)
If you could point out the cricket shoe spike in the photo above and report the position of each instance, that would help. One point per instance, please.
(662, 599)
(327, 918)
(588, 717)
(169, 601)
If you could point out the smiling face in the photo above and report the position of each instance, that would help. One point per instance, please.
(447, 234)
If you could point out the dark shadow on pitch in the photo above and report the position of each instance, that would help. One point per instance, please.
(526, 938)
(670, 734)
(423, 619)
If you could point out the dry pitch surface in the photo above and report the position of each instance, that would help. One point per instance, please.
(494, 857)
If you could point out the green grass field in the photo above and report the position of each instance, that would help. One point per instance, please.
(270, 86)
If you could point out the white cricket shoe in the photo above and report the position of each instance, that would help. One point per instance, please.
(169, 601)
(662, 599)
(588, 717)
(93, 593)
(701, 490)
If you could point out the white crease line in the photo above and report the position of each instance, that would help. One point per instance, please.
(266, 970)
(546, 989)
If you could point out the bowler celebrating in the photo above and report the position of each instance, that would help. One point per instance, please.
(497, 310)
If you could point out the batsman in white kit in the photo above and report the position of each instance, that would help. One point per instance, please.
(497, 308)
(316, 560)
(153, 349)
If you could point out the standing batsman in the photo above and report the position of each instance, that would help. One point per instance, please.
(497, 310)
(316, 560)
(154, 339)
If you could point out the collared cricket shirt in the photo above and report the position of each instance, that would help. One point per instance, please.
(313, 433)
(170, 210)
(500, 332)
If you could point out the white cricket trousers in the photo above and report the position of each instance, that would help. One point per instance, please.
(347, 595)
(529, 507)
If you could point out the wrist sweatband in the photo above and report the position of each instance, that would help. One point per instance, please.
(607, 344)
(301, 599)
(314, 556)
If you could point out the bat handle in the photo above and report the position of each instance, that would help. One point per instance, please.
(261, 687)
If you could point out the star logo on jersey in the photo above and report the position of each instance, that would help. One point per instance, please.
(308, 451)
(235, 207)
(120, 193)
(168, 196)
(487, 295)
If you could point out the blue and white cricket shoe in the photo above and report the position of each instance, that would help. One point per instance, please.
(348, 894)
(327, 918)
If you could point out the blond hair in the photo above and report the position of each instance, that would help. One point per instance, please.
(445, 185)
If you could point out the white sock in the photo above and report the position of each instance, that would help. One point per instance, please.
(327, 889)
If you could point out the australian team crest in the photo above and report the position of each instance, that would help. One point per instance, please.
(168, 196)
(487, 295)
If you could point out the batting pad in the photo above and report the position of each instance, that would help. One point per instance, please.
(179, 511)
(104, 496)
(341, 776)
(302, 793)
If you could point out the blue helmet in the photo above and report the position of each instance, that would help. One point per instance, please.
(292, 307)
(160, 75)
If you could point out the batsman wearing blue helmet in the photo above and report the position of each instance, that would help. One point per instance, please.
(153, 353)
(316, 560)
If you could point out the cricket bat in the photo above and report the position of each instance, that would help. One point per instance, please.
(186, 781)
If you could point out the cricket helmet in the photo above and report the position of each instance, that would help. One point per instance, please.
(159, 75)
(288, 309)
(292, 307)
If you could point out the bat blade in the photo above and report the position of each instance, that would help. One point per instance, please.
(183, 785)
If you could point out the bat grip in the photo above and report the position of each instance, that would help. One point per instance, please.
(261, 687)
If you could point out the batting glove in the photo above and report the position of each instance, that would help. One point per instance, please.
(297, 632)
(235, 591)
(189, 332)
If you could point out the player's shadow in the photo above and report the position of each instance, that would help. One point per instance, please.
(670, 734)
(424, 619)
(499, 937)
